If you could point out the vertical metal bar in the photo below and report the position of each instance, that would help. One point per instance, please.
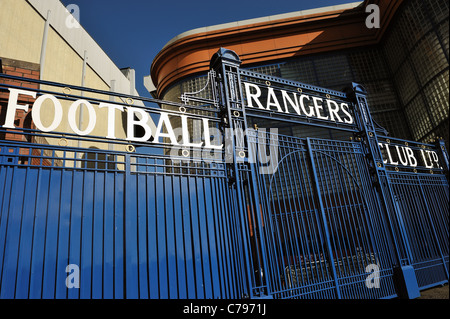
(44, 45)
(325, 168)
(83, 83)
(430, 220)
(3, 187)
(297, 186)
(300, 170)
(47, 286)
(273, 280)
(152, 236)
(86, 237)
(443, 156)
(143, 198)
(130, 244)
(192, 240)
(112, 88)
(213, 232)
(108, 233)
(279, 212)
(38, 187)
(311, 217)
(320, 180)
(226, 64)
(324, 220)
(220, 240)
(5, 209)
(83, 77)
(118, 252)
(76, 224)
(35, 279)
(97, 236)
(141, 188)
(181, 242)
(197, 249)
(255, 203)
(23, 221)
(62, 237)
(389, 191)
(18, 232)
(291, 234)
(218, 248)
(440, 204)
(171, 238)
(376, 165)
(228, 258)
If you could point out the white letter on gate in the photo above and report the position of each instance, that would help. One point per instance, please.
(164, 119)
(302, 105)
(344, 108)
(111, 118)
(380, 145)
(142, 122)
(185, 133)
(272, 100)
(435, 158)
(13, 106)
(72, 117)
(293, 103)
(424, 158)
(251, 97)
(405, 161)
(36, 113)
(411, 158)
(333, 109)
(318, 106)
(208, 136)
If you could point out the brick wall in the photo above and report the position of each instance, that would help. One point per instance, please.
(22, 119)
(24, 70)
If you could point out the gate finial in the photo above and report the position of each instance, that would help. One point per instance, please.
(225, 55)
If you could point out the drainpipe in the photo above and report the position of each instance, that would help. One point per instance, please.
(44, 44)
(83, 77)
(132, 77)
(112, 88)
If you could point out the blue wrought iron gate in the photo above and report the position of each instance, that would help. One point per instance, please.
(322, 228)
(268, 215)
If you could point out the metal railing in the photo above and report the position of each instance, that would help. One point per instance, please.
(269, 214)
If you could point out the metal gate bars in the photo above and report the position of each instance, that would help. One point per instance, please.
(331, 219)
(270, 213)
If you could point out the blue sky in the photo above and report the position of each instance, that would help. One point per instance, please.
(132, 32)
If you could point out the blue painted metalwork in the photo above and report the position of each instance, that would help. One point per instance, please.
(140, 223)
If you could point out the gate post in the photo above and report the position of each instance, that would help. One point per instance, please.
(240, 170)
(226, 65)
(441, 150)
(404, 276)
(323, 216)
